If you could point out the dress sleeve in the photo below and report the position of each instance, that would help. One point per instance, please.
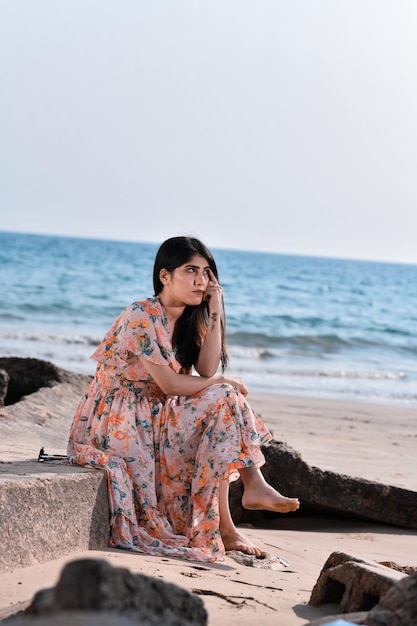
(138, 331)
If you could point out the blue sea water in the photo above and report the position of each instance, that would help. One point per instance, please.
(295, 325)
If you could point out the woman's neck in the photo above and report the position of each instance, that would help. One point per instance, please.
(172, 311)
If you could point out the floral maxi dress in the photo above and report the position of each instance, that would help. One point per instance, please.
(164, 456)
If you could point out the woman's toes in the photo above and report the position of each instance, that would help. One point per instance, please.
(236, 541)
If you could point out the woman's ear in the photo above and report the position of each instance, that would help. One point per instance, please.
(164, 276)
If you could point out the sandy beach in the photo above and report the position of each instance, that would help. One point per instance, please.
(372, 441)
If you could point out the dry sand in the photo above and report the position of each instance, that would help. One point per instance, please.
(373, 441)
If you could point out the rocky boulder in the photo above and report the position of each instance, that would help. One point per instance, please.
(92, 591)
(4, 385)
(39, 401)
(25, 376)
(326, 492)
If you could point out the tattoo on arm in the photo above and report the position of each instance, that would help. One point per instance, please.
(213, 320)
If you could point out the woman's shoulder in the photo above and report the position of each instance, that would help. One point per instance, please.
(139, 314)
(151, 307)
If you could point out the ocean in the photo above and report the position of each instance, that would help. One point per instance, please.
(297, 325)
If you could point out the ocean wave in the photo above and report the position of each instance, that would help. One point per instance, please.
(316, 343)
(296, 288)
(11, 317)
(397, 331)
(258, 340)
(375, 375)
(379, 395)
(351, 374)
(51, 338)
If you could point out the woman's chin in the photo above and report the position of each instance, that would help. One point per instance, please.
(196, 300)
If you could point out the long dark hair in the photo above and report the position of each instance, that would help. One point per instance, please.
(190, 329)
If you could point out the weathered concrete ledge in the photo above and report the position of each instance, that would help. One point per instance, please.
(355, 583)
(49, 510)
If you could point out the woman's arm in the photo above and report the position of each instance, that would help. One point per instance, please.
(210, 352)
(173, 384)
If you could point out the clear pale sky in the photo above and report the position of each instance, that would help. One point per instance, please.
(282, 125)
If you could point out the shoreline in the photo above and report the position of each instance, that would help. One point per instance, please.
(310, 380)
(333, 397)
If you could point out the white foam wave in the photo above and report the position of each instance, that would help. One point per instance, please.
(85, 340)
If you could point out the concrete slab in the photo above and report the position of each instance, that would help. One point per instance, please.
(48, 510)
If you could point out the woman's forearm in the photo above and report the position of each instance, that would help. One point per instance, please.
(188, 385)
(173, 384)
(210, 352)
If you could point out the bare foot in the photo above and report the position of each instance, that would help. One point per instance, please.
(233, 540)
(268, 499)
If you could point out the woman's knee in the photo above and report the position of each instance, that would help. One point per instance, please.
(223, 389)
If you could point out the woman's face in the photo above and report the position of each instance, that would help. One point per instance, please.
(187, 284)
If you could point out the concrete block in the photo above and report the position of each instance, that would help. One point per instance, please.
(355, 584)
(49, 510)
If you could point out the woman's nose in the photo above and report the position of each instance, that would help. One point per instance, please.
(201, 279)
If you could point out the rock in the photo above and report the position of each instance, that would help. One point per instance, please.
(28, 375)
(323, 491)
(398, 607)
(405, 569)
(4, 384)
(355, 584)
(40, 404)
(93, 585)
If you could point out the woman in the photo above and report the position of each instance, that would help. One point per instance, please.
(170, 440)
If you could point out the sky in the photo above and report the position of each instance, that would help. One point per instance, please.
(275, 125)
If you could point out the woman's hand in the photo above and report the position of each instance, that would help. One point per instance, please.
(213, 293)
(236, 382)
(211, 348)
